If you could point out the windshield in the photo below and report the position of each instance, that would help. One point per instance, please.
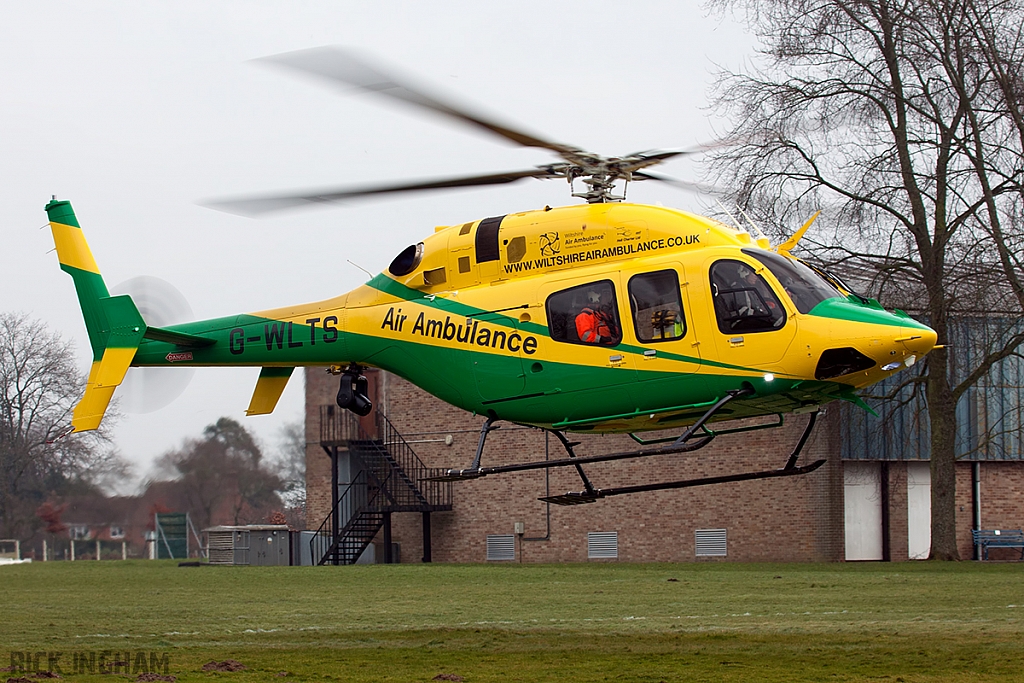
(837, 282)
(805, 287)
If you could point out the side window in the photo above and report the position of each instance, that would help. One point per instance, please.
(587, 314)
(657, 307)
(743, 300)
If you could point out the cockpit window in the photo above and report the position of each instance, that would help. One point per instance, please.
(743, 300)
(805, 287)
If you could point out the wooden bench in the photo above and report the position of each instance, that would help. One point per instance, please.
(998, 538)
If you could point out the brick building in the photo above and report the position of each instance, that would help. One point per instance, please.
(850, 508)
(765, 520)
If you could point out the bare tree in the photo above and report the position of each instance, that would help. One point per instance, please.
(902, 121)
(290, 466)
(223, 474)
(39, 386)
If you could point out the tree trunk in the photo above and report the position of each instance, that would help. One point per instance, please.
(942, 415)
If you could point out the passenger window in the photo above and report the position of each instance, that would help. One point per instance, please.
(657, 307)
(587, 314)
(743, 300)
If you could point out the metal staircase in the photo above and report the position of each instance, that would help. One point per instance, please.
(388, 479)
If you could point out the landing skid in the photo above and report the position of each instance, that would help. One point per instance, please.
(685, 443)
(580, 497)
(680, 445)
(591, 494)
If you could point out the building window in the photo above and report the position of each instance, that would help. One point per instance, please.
(586, 314)
(657, 307)
(602, 545)
(78, 532)
(501, 547)
(710, 543)
(117, 532)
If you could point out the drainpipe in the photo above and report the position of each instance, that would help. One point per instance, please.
(334, 501)
(886, 541)
(976, 501)
(547, 492)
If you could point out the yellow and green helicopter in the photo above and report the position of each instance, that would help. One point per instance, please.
(599, 317)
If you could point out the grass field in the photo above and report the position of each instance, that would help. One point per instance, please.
(594, 622)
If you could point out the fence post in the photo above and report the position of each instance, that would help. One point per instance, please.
(97, 549)
(72, 550)
(44, 550)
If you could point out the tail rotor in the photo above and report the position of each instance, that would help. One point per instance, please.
(145, 390)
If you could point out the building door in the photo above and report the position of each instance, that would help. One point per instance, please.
(919, 510)
(862, 503)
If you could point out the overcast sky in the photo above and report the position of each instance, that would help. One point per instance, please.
(135, 111)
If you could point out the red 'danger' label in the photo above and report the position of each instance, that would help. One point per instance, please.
(175, 357)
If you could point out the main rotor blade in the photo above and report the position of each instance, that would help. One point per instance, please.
(341, 66)
(681, 184)
(657, 157)
(264, 204)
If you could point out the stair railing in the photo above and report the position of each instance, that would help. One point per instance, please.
(352, 500)
(341, 426)
(435, 493)
(366, 496)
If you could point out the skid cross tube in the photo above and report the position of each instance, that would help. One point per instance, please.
(699, 424)
(791, 463)
(680, 445)
(459, 475)
(568, 446)
(484, 431)
(575, 498)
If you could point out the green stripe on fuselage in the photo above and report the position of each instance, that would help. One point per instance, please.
(853, 311)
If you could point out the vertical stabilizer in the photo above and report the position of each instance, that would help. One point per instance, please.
(114, 324)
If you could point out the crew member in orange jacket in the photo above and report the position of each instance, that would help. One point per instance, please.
(594, 325)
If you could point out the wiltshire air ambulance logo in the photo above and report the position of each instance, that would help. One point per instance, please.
(550, 244)
(624, 234)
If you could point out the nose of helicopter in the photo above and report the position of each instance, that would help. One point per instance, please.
(866, 343)
(909, 346)
(918, 340)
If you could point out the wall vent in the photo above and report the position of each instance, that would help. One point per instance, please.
(710, 542)
(501, 547)
(602, 545)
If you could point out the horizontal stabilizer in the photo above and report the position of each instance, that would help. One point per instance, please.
(269, 388)
(178, 338)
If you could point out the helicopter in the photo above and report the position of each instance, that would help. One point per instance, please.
(598, 317)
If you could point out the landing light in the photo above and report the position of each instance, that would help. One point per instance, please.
(889, 367)
(910, 360)
(769, 377)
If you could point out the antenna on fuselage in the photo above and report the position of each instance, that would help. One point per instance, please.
(760, 235)
(729, 214)
(360, 268)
